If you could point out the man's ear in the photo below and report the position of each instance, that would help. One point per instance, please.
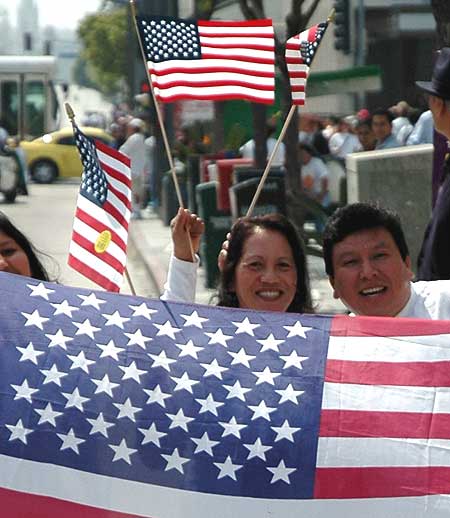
(408, 265)
(436, 104)
(331, 281)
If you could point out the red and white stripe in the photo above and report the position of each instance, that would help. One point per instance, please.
(238, 62)
(105, 269)
(297, 69)
(385, 422)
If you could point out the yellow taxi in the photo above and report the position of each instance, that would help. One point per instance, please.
(55, 155)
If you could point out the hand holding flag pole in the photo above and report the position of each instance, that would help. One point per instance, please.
(300, 52)
(98, 248)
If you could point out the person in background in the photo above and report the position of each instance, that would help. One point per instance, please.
(135, 148)
(315, 175)
(382, 129)
(423, 130)
(434, 257)
(400, 111)
(248, 149)
(365, 135)
(344, 141)
(118, 133)
(264, 267)
(369, 267)
(17, 254)
(406, 130)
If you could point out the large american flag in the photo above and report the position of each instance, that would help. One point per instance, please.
(98, 248)
(300, 52)
(119, 406)
(212, 60)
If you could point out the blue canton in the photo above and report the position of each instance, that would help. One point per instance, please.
(94, 184)
(200, 398)
(165, 39)
(309, 48)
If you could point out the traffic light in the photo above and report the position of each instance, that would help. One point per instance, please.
(342, 26)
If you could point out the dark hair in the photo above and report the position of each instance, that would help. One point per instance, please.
(357, 217)
(303, 146)
(240, 232)
(364, 122)
(37, 269)
(384, 113)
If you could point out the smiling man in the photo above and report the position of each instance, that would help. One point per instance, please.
(368, 265)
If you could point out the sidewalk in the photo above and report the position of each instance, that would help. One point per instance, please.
(153, 242)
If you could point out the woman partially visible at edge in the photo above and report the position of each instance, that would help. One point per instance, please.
(17, 254)
(264, 267)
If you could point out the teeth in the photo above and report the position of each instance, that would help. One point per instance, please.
(371, 291)
(269, 294)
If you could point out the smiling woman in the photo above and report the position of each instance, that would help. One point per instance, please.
(264, 267)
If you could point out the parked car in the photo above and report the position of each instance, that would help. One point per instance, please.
(55, 154)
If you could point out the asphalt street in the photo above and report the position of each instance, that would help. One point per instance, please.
(45, 216)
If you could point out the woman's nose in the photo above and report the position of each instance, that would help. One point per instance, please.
(3, 263)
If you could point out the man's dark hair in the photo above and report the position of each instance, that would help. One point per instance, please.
(364, 122)
(358, 217)
(383, 112)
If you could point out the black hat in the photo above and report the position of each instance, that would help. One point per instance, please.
(440, 81)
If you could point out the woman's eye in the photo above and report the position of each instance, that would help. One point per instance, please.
(7, 252)
(380, 255)
(350, 262)
(285, 266)
(255, 265)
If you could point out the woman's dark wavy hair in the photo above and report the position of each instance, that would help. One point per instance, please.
(240, 232)
(37, 269)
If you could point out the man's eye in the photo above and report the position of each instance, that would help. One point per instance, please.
(349, 262)
(380, 255)
(284, 266)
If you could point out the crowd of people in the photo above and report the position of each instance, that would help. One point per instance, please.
(322, 139)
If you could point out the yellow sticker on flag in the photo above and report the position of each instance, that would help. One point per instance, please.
(103, 241)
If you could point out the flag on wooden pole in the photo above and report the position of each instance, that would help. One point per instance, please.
(300, 52)
(210, 60)
(98, 248)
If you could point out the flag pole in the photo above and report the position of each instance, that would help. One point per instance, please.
(269, 162)
(71, 116)
(161, 123)
(290, 114)
(158, 111)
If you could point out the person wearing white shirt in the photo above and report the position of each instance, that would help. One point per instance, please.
(369, 267)
(138, 152)
(247, 150)
(423, 130)
(343, 142)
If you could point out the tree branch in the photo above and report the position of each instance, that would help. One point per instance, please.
(253, 11)
(309, 12)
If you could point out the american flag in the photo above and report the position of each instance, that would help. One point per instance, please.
(209, 60)
(300, 52)
(98, 248)
(118, 406)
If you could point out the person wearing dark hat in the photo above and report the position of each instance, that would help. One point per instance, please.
(434, 256)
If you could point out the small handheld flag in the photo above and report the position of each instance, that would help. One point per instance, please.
(98, 247)
(300, 52)
(209, 60)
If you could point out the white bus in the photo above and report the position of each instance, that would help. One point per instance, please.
(28, 103)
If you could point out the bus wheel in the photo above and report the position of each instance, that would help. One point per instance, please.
(43, 171)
